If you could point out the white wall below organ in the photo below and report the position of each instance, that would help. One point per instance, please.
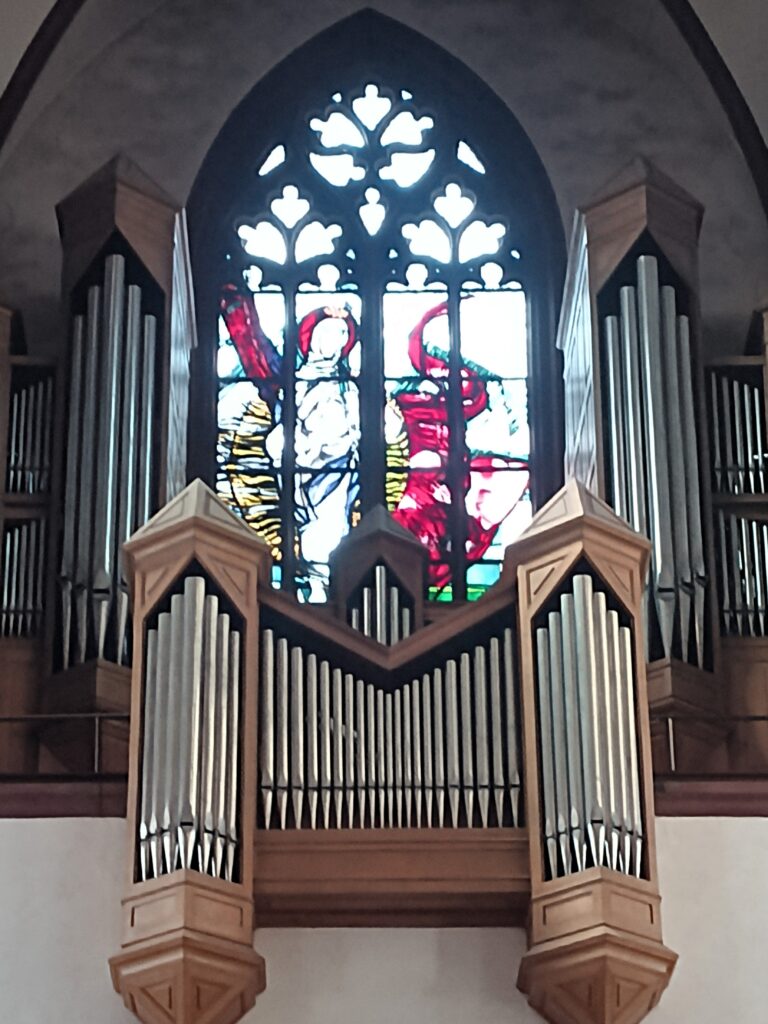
(61, 881)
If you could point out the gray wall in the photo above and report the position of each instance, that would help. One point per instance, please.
(592, 83)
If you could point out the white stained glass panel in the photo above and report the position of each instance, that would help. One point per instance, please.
(337, 169)
(315, 239)
(402, 312)
(406, 130)
(263, 240)
(502, 427)
(479, 239)
(453, 206)
(405, 169)
(467, 155)
(494, 332)
(371, 107)
(291, 207)
(427, 238)
(273, 160)
(338, 130)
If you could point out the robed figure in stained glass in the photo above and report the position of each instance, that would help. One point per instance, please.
(327, 421)
(489, 490)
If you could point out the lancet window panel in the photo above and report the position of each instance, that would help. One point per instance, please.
(373, 343)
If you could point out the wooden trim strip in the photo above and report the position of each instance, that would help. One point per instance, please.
(713, 797)
(63, 797)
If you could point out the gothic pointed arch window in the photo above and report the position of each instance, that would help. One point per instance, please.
(376, 244)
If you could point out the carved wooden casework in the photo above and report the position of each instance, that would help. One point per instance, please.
(329, 857)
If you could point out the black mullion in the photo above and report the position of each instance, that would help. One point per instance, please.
(457, 519)
(288, 469)
(372, 445)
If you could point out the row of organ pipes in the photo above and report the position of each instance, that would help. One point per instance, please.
(190, 751)
(339, 752)
(380, 608)
(592, 811)
(737, 411)
(108, 484)
(30, 430)
(653, 453)
(23, 583)
(743, 550)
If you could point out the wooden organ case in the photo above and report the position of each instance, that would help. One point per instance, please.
(89, 455)
(355, 764)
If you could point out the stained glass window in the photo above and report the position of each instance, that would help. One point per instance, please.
(373, 344)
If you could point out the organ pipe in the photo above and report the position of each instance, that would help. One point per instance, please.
(188, 802)
(652, 452)
(389, 758)
(596, 788)
(108, 476)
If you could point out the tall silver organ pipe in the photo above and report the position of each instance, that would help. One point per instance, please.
(191, 740)
(652, 453)
(742, 544)
(380, 608)
(30, 430)
(23, 557)
(588, 736)
(108, 479)
(438, 750)
(737, 413)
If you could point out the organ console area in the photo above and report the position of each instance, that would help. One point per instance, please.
(379, 760)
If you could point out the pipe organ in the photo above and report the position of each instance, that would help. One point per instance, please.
(282, 760)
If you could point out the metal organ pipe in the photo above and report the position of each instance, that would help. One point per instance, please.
(381, 609)
(108, 484)
(388, 758)
(188, 814)
(590, 675)
(653, 452)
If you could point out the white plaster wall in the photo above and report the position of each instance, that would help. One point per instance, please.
(60, 886)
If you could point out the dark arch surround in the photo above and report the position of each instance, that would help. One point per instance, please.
(372, 47)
